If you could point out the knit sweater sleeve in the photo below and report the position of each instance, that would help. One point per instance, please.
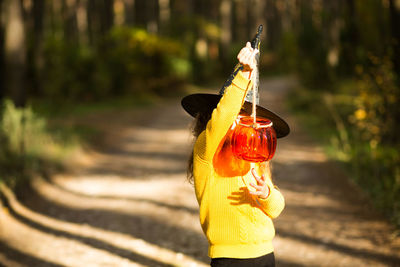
(274, 203)
(223, 116)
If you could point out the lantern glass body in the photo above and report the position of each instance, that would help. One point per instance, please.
(225, 163)
(254, 143)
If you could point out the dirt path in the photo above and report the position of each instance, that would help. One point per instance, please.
(128, 204)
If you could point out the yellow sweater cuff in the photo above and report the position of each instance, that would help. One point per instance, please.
(241, 81)
(274, 203)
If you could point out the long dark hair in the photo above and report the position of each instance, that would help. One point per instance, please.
(198, 126)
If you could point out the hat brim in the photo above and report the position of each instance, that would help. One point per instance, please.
(206, 103)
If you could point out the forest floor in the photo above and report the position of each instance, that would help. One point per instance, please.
(127, 203)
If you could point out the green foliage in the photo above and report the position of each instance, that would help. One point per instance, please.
(312, 64)
(73, 72)
(288, 52)
(360, 124)
(377, 143)
(358, 119)
(22, 127)
(126, 61)
(138, 61)
(27, 144)
(371, 18)
(378, 115)
(305, 53)
(201, 37)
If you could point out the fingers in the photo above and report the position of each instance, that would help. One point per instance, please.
(248, 45)
(246, 57)
(260, 194)
(260, 179)
(262, 189)
(257, 187)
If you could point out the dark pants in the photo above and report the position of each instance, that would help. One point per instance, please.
(263, 261)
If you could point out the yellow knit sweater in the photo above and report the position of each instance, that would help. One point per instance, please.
(237, 224)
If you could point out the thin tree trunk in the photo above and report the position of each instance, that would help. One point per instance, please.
(2, 69)
(119, 12)
(164, 14)
(69, 8)
(141, 13)
(258, 9)
(350, 38)
(34, 26)
(240, 21)
(15, 52)
(226, 31)
(82, 21)
(273, 24)
(212, 9)
(249, 19)
(152, 24)
(129, 7)
(394, 7)
(107, 17)
(332, 24)
(92, 22)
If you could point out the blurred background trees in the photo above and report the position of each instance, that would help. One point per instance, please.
(346, 53)
(84, 48)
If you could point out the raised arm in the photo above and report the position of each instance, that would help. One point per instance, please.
(229, 106)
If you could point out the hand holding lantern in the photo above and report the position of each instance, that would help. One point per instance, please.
(253, 139)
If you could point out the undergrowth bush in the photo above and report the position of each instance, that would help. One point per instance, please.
(359, 123)
(376, 146)
(27, 145)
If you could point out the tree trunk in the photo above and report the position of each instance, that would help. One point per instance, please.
(15, 52)
(394, 7)
(141, 13)
(240, 21)
(82, 21)
(152, 24)
(258, 9)
(249, 19)
(69, 8)
(2, 69)
(129, 8)
(92, 20)
(332, 24)
(226, 31)
(349, 39)
(107, 16)
(164, 14)
(273, 24)
(34, 62)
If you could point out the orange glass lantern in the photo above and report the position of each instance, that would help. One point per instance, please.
(254, 140)
(224, 161)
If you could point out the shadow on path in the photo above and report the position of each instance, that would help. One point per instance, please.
(156, 232)
(24, 259)
(88, 241)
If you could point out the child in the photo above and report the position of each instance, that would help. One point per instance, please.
(237, 199)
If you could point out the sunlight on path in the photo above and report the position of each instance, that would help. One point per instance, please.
(139, 205)
(81, 255)
(129, 204)
(131, 197)
(38, 244)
